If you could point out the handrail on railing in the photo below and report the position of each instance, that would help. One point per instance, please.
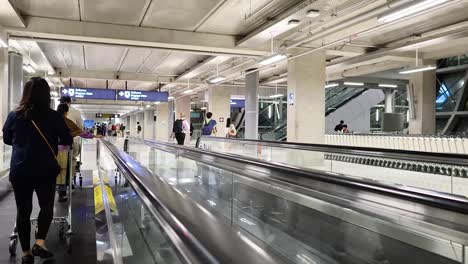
(435, 157)
(207, 241)
(431, 198)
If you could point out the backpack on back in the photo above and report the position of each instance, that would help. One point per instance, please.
(208, 127)
(178, 127)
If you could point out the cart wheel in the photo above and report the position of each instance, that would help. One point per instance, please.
(12, 246)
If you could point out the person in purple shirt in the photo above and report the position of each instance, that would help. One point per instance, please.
(34, 131)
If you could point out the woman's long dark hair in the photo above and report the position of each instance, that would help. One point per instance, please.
(36, 99)
(62, 109)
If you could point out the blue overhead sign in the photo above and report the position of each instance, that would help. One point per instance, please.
(88, 93)
(149, 96)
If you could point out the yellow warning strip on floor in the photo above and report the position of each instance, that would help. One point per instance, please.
(98, 195)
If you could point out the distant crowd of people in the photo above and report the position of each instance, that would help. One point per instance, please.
(109, 129)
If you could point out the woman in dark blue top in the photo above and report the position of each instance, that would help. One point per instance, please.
(34, 167)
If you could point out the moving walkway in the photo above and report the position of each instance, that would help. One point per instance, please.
(443, 172)
(155, 202)
(300, 215)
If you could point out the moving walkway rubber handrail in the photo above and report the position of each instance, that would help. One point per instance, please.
(198, 234)
(418, 156)
(435, 199)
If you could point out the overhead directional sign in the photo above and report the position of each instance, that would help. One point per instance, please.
(148, 96)
(88, 93)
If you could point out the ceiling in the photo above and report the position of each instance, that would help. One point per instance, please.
(176, 44)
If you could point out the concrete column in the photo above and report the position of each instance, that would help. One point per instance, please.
(219, 103)
(182, 105)
(148, 124)
(389, 100)
(306, 99)
(15, 79)
(424, 86)
(3, 84)
(251, 105)
(162, 122)
(132, 125)
(170, 115)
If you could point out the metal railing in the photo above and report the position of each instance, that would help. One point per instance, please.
(435, 214)
(197, 234)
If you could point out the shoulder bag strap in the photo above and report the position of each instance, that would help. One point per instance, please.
(45, 139)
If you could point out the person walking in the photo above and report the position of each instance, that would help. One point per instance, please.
(231, 129)
(34, 131)
(75, 116)
(180, 129)
(209, 127)
(138, 130)
(122, 129)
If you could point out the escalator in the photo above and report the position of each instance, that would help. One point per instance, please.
(298, 215)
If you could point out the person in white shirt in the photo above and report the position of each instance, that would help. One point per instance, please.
(75, 116)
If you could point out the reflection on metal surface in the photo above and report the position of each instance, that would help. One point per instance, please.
(335, 221)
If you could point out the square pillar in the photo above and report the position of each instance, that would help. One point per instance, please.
(424, 85)
(252, 83)
(148, 124)
(132, 125)
(306, 98)
(3, 84)
(182, 105)
(163, 121)
(219, 103)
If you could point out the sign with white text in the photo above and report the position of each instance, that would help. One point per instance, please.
(147, 96)
(88, 93)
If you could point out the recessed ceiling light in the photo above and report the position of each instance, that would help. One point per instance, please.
(217, 79)
(354, 83)
(330, 85)
(272, 59)
(313, 13)
(294, 23)
(388, 85)
(418, 69)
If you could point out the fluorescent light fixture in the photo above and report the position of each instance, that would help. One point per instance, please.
(203, 108)
(3, 44)
(233, 103)
(330, 85)
(294, 23)
(410, 10)
(272, 59)
(418, 69)
(148, 106)
(313, 13)
(156, 103)
(276, 96)
(388, 85)
(141, 108)
(26, 68)
(51, 72)
(354, 83)
(188, 91)
(170, 98)
(217, 79)
(30, 68)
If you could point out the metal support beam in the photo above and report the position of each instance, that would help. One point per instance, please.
(459, 109)
(48, 29)
(9, 15)
(111, 75)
